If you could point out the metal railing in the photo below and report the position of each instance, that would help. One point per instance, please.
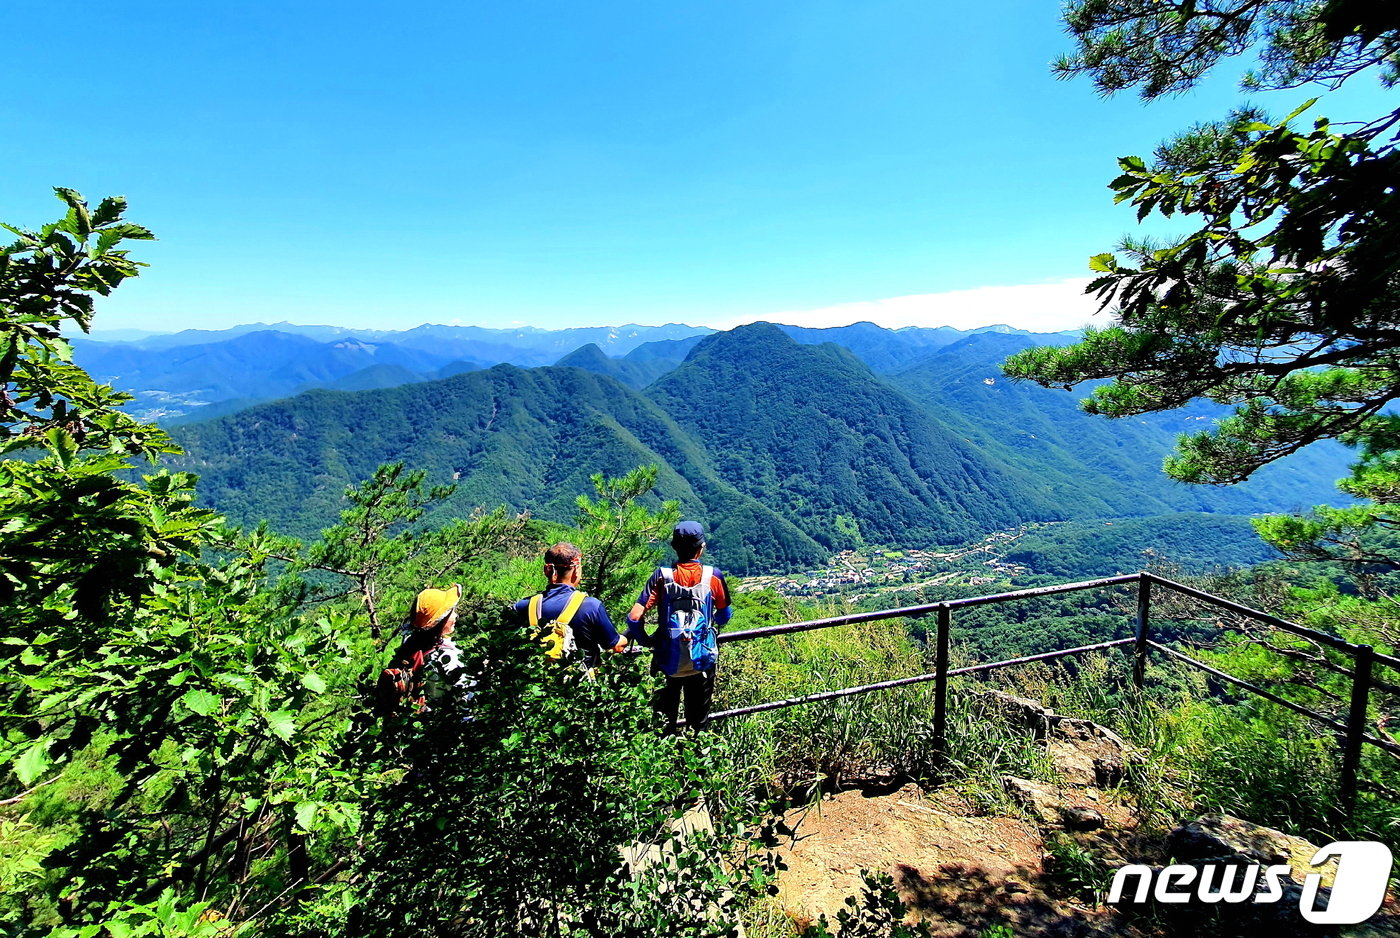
(1352, 730)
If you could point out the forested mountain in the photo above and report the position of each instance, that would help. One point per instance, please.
(633, 372)
(375, 377)
(528, 439)
(812, 433)
(787, 450)
(1092, 466)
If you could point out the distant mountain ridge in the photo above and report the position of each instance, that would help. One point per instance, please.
(616, 339)
(177, 377)
(786, 450)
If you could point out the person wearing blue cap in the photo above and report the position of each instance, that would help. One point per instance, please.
(692, 602)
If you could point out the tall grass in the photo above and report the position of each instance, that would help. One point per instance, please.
(1203, 751)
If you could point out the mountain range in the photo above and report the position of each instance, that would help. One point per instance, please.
(787, 450)
(197, 373)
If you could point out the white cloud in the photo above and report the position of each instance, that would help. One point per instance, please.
(1037, 307)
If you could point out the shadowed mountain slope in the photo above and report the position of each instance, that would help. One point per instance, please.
(635, 373)
(1090, 465)
(673, 350)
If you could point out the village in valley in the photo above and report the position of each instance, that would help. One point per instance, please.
(870, 570)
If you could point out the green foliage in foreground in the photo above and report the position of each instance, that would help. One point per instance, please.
(515, 819)
(186, 746)
(1281, 304)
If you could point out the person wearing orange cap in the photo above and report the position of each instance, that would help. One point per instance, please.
(428, 663)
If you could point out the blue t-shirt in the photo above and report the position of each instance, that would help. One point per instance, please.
(593, 630)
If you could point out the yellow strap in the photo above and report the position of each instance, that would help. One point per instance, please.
(575, 601)
(553, 638)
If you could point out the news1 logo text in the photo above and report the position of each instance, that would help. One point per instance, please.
(1363, 873)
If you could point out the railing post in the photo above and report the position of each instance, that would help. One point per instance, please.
(1140, 649)
(940, 685)
(1356, 728)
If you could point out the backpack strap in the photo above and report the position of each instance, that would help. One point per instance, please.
(706, 576)
(536, 608)
(572, 607)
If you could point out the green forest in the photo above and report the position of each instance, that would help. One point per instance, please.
(789, 451)
(1081, 549)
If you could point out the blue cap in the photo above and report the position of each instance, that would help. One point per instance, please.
(688, 534)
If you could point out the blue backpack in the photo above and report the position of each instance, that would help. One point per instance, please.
(689, 619)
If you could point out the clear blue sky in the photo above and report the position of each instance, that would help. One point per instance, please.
(576, 163)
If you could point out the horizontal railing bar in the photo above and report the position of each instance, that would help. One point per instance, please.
(824, 695)
(1252, 688)
(1331, 641)
(901, 682)
(919, 611)
(1043, 591)
(853, 618)
(1320, 637)
(1046, 656)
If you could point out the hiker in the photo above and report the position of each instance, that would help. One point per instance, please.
(575, 624)
(427, 668)
(692, 601)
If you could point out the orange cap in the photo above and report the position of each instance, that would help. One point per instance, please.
(433, 605)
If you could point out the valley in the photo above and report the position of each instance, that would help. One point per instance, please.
(1024, 555)
(859, 574)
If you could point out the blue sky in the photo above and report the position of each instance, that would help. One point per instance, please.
(558, 164)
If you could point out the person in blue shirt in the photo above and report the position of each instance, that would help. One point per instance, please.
(575, 625)
(688, 582)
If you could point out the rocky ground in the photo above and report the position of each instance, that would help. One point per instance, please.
(968, 874)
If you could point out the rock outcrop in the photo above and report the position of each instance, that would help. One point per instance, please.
(1085, 756)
